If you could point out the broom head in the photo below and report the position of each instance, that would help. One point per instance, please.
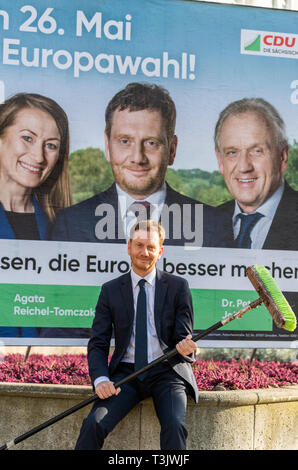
(274, 300)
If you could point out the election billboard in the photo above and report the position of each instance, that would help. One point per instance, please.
(211, 93)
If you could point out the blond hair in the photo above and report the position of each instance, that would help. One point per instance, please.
(149, 226)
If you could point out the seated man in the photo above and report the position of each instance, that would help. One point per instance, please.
(150, 312)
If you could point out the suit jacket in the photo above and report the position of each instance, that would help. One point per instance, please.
(43, 224)
(173, 313)
(283, 231)
(6, 232)
(77, 223)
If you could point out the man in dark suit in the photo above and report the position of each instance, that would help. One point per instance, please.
(252, 152)
(140, 144)
(150, 312)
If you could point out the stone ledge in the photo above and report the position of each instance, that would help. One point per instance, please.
(264, 419)
(50, 390)
(211, 398)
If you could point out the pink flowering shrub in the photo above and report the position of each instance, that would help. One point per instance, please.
(73, 370)
(64, 370)
(243, 374)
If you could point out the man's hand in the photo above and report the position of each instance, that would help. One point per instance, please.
(106, 389)
(186, 346)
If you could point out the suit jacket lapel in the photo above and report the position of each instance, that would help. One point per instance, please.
(41, 220)
(161, 287)
(127, 295)
(227, 225)
(279, 237)
(5, 228)
(167, 219)
(110, 196)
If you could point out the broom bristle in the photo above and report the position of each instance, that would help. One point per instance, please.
(278, 297)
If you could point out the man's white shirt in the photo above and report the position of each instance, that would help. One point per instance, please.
(156, 200)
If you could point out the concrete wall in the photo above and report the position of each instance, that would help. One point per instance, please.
(230, 420)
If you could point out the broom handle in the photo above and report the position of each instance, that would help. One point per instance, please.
(132, 376)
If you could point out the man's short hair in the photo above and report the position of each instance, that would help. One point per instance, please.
(148, 226)
(141, 96)
(262, 108)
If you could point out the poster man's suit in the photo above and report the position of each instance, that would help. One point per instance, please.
(173, 314)
(77, 223)
(282, 234)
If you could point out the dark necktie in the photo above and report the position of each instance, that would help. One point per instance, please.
(141, 209)
(141, 329)
(248, 222)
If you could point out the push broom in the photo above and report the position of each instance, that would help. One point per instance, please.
(269, 294)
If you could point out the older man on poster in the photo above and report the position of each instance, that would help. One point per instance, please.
(150, 311)
(140, 144)
(252, 152)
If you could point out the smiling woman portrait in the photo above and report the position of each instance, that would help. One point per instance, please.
(34, 180)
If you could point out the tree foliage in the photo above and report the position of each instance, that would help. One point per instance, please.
(203, 186)
(291, 175)
(90, 173)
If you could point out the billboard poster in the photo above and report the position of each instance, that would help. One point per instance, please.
(194, 105)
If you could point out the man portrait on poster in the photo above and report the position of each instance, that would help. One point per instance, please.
(140, 144)
(252, 152)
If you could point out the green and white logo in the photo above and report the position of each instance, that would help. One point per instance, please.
(255, 45)
(268, 43)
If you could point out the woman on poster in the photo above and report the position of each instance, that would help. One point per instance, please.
(34, 180)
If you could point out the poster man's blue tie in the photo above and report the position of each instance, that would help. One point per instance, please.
(141, 346)
(247, 224)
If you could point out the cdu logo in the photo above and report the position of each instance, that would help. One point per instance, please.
(267, 43)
